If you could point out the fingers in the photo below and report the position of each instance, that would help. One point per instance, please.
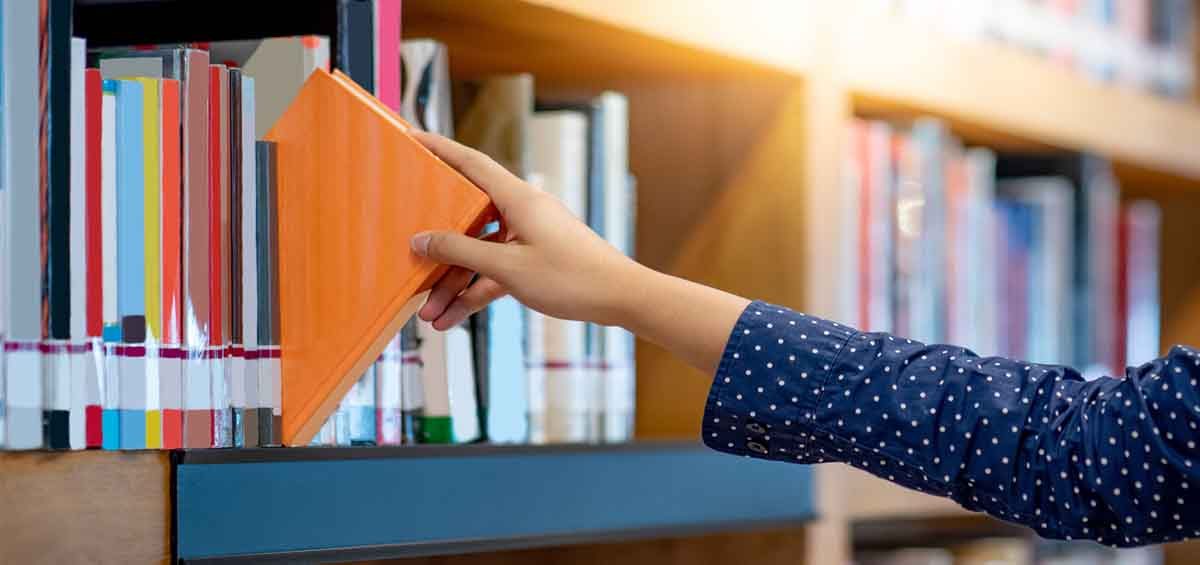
(474, 299)
(458, 250)
(443, 293)
(503, 187)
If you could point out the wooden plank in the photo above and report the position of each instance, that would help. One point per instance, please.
(586, 39)
(985, 87)
(85, 507)
(761, 548)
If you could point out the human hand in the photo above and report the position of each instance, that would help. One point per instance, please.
(543, 255)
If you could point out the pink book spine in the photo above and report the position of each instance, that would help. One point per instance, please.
(387, 52)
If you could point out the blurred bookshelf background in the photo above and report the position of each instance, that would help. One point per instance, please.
(829, 156)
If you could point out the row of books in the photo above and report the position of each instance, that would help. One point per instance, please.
(1143, 43)
(533, 378)
(139, 284)
(1029, 256)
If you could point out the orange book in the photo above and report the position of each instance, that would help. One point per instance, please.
(354, 187)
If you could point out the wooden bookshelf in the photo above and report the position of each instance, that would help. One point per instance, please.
(737, 119)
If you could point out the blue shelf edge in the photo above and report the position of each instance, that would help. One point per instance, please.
(323, 504)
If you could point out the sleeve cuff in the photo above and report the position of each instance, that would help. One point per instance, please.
(770, 385)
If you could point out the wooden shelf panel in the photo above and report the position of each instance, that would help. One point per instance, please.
(581, 39)
(83, 506)
(998, 95)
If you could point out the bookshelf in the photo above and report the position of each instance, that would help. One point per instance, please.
(737, 113)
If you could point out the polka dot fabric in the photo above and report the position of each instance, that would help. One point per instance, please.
(1112, 460)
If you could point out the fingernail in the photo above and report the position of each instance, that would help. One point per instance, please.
(420, 243)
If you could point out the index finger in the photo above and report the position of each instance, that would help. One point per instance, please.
(501, 185)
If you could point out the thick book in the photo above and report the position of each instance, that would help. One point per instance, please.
(387, 191)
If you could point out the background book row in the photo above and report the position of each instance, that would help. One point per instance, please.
(1143, 43)
(1029, 256)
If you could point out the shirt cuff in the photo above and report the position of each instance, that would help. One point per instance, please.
(771, 385)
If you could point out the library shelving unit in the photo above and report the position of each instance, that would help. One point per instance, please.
(737, 115)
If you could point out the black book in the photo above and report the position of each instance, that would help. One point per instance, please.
(355, 54)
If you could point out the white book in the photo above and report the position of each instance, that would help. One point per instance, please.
(980, 262)
(1143, 324)
(460, 370)
(108, 207)
(436, 422)
(77, 350)
(249, 223)
(387, 395)
(557, 348)
(618, 389)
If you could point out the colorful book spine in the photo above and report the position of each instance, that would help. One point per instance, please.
(55, 199)
(412, 389)
(171, 353)
(508, 394)
(222, 427)
(388, 423)
(1143, 225)
(152, 261)
(270, 416)
(77, 352)
(361, 409)
(436, 424)
(233, 257)
(111, 331)
(557, 348)
(131, 257)
(387, 52)
(247, 283)
(94, 241)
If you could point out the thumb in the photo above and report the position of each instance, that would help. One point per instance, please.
(450, 248)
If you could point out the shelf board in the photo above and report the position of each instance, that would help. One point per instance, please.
(371, 503)
(67, 507)
(872, 498)
(1001, 96)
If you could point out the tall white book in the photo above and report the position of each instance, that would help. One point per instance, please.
(556, 349)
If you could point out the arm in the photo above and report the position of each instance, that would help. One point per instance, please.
(1109, 460)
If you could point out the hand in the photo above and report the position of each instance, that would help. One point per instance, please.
(551, 262)
(543, 255)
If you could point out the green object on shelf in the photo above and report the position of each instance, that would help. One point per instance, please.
(436, 429)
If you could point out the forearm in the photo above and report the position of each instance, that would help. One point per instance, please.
(690, 320)
(1109, 460)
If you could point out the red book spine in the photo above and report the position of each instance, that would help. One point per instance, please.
(172, 216)
(215, 119)
(1121, 334)
(93, 116)
(862, 164)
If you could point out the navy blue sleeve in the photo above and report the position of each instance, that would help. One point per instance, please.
(1111, 460)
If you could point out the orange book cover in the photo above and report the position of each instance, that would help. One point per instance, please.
(354, 187)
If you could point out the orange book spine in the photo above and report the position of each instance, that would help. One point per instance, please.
(172, 210)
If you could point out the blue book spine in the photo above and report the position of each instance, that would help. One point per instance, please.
(131, 221)
(131, 259)
(507, 388)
